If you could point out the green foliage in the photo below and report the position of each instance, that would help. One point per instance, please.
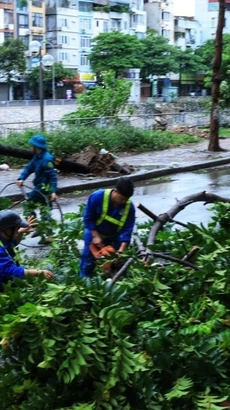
(5, 203)
(158, 57)
(119, 138)
(115, 51)
(108, 101)
(206, 52)
(60, 73)
(158, 339)
(12, 59)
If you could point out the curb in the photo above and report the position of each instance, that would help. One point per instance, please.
(139, 176)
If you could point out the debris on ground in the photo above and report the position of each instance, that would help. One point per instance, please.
(100, 164)
(161, 123)
(190, 130)
(4, 167)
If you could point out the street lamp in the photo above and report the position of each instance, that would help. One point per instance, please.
(53, 69)
(47, 60)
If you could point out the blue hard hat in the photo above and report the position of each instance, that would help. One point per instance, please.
(38, 141)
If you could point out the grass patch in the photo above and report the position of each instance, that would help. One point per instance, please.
(117, 139)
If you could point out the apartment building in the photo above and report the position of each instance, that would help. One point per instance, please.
(160, 17)
(206, 12)
(187, 32)
(6, 19)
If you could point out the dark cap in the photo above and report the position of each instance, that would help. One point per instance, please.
(125, 186)
(10, 219)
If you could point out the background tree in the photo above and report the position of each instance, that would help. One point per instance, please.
(206, 52)
(60, 73)
(188, 62)
(216, 80)
(105, 101)
(12, 60)
(158, 56)
(117, 52)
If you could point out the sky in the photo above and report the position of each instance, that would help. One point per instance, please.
(184, 7)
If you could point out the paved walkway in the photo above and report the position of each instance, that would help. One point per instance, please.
(148, 165)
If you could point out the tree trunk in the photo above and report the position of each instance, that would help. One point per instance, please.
(216, 80)
(60, 163)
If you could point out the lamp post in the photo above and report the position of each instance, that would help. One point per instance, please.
(47, 60)
(53, 70)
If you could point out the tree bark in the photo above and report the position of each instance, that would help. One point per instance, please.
(216, 80)
(206, 197)
(60, 163)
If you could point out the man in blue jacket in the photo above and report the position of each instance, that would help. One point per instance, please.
(45, 181)
(12, 228)
(109, 219)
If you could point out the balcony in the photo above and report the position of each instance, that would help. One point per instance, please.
(179, 29)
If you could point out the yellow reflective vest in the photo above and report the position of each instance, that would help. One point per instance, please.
(105, 217)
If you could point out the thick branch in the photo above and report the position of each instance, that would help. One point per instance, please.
(206, 197)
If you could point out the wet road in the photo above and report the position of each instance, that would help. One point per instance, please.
(159, 196)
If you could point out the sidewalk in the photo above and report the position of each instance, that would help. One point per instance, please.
(148, 165)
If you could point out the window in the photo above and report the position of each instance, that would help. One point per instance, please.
(213, 22)
(165, 15)
(37, 3)
(63, 56)
(138, 19)
(63, 39)
(37, 20)
(63, 22)
(22, 20)
(38, 38)
(84, 60)
(213, 6)
(25, 40)
(7, 35)
(165, 33)
(8, 17)
(84, 6)
(105, 26)
(97, 23)
(85, 42)
(85, 24)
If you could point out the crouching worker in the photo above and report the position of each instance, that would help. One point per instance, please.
(12, 228)
(109, 219)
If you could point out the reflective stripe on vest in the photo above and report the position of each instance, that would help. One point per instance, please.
(105, 207)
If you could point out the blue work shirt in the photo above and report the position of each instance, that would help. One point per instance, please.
(43, 166)
(93, 212)
(8, 267)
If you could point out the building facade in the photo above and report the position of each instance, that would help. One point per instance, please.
(160, 17)
(206, 12)
(187, 33)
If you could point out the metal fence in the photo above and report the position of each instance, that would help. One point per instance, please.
(144, 121)
(34, 103)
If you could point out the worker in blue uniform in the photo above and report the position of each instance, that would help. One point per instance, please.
(12, 228)
(45, 183)
(109, 219)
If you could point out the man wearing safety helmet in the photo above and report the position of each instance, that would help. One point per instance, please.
(109, 219)
(45, 181)
(12, 228)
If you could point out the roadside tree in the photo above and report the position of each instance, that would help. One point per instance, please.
(106, 101)
(60, 73)
(216, 81)
(158, 56)
(117, 52)
(12, 60)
